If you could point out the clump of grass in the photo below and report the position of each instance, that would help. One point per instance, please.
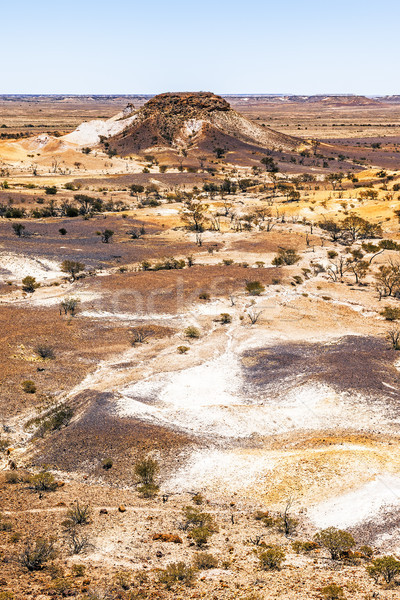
(78, 514)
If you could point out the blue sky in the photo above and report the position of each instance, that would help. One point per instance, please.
(292, 46)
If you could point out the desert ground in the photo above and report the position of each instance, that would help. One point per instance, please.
(210, 288)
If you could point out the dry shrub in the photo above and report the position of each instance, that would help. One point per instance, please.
(203, 561)
(37, 553)
(265, 517)
(304, 547)
(167, 537)
(176, 573)
(332, 592)
(78, 515)
(43, 481)
(271, 558)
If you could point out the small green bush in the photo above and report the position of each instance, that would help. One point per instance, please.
(204, 296)
(146, 469)
(148, 490)
(4, 444)
(43, 481)
(78, 515)
(45, 351)
(271, 558)
(286, 256)
(304, 547)
(198, 499)
(255, 288)
(50, 190)
(13, 477)
(192, 332)
(29, 386)
(107, 464)
(200, 535)
(5, 525)
(225, 318)
(29, 284)
(183, 349)
(333, 592)
(78, 570)
(265, 517)
(201, 525)
(53, 420)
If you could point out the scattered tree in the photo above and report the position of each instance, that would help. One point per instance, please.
(29, 284)
(336, 541)
(254, 288)
(18, 229)
(72, 267)
(386, 567)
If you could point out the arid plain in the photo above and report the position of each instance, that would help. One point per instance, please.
(206, 288)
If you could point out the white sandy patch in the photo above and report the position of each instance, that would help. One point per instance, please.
(220, 469)
(359, 505)
(17, 266)
(212, 399)
(104, 314)
(167, 211)
(89, 133)
(216, 307)
(54, 299)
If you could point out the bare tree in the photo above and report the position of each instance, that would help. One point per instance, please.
(254, 315)
(337, 269)
(289, 523)
(54, 164)
(393, 336)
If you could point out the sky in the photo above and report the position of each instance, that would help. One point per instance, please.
(227, 47)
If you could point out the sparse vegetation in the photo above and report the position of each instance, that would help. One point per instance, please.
(204, 560)
(29, 386)
(333, 592)
(78, 514)
(286, 256)
(45, 351)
